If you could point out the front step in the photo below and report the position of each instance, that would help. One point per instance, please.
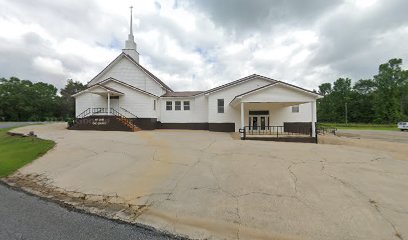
(129, 124)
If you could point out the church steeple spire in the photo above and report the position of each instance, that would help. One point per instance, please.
(130, 45)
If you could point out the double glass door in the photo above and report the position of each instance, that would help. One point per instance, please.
(258, 122)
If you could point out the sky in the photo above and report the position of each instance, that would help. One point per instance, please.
(197, 45)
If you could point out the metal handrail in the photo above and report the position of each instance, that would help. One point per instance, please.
(124, 118)
(275, 131)
(85, 113)
(124, 109)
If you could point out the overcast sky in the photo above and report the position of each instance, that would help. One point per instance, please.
(196, 45)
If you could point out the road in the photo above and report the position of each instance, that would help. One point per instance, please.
(25, 216)
(388, 136)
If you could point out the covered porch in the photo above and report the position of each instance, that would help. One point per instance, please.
(277, 112)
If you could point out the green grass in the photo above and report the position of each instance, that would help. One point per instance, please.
(16, 151)
(361, 126)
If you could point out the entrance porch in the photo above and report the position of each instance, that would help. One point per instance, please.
(277, 113)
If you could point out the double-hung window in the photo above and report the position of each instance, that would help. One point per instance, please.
(177, 105)
(169, 105)
(186, 105)
(220, 105)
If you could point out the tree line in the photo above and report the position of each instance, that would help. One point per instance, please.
(382, 99)
(23, 100)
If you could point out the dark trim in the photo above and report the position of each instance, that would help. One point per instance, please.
(100, 123)
(258, 112)
(284, 139)
(190, 126)
(145, 123)
(298, 127)
(221, 127)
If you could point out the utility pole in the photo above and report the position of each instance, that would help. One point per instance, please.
(345, 106)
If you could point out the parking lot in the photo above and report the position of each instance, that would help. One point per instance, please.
(208, 185)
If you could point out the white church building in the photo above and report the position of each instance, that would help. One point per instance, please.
(126, 96)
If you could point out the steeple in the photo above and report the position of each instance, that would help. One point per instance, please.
(130, 45)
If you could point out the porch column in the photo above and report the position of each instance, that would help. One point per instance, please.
(108, 103)
(313, 109)
(242, 116)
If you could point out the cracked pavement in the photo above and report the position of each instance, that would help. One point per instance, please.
(207, 185)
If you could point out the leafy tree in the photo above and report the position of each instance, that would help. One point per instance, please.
(67, 101)
(390, 82)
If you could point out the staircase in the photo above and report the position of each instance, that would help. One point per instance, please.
(128, 123)
(104, 119)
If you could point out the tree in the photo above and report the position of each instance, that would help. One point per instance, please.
(21, 100)
(388, 99)
(67, 101)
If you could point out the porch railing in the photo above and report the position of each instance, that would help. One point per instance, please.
(272, 131)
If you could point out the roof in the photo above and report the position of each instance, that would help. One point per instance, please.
(108, 89)
(276, 83)
(239, 81)
(181, 94)
(123, 83)
(151, 75)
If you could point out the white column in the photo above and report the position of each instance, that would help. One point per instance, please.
(313, 109)
(108, 103)
(242, 115)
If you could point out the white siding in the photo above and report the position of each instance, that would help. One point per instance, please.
(126, 71)
(89, 100)
(134, 101)
(196, 114)
(279, 93)
(231, 114)
(280, 113)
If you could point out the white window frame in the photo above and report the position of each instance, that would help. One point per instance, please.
(220, 109)
(177, 107)
(186, 107)
(169, 107)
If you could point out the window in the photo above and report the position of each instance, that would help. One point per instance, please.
(177, 105)
(295, 108)
(186, 105)
(220, 105)
(114, 97)
(169, 105)
(154, 105)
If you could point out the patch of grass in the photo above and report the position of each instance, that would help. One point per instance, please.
(361, 126)
(16, 151)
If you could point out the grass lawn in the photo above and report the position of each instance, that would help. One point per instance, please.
(361, 126)
(16, 151)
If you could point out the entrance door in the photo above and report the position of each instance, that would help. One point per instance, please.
(258, 120)
(114, 103)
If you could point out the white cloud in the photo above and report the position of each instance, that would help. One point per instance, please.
(195, 45)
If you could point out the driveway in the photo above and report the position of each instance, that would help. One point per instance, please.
(208, 185)
(28, 217)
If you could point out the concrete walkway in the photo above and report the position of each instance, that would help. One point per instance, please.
(208, 185)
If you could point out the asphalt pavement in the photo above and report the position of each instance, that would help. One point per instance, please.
(24, 216)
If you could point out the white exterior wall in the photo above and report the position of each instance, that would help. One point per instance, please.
(128, 72)
(134, 101)
(89, 100)
(280, 113)
(230, 114)
(196, 114)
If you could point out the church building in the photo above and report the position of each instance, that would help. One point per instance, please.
(125, 96)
